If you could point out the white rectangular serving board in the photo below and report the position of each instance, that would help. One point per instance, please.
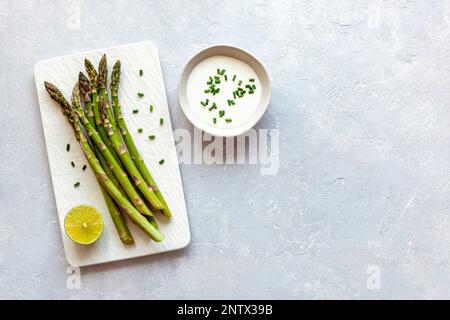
(63, 72)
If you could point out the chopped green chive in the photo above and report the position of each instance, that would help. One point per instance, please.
(207, 91)
(140, 94)
(77, 184)
(84, 167)
(72, 163)
(152, 137)
(221, 113)
(204, 103)
(239, 92)
(140, 130)
(234, 95)
(218, 71)
(135, 111)
(161, 161)
(68, 147)
(151, 108)
(240, 82)
(251, 80)
(214, 106)
(228, 120)
(141, 72)
(225, 77)
(253, 87)
(161, 121)
(234, 78)
(222, 72)
(214, 120)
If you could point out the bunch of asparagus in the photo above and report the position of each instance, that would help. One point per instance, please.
(125, 181)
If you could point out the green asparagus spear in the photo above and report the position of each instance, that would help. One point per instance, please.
(86, 93)
(117, 218)
(73, 117)
(100, 144)
(115, 213)
(113, 134)
(115, 167)
(102, 83)
(134, 153)
(93, 76)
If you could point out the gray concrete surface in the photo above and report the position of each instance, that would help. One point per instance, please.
(359, 206)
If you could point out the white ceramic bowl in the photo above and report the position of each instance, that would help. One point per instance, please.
(237, 53)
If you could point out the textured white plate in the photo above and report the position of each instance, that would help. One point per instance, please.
(63, 72)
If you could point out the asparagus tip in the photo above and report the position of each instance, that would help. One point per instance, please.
(90, 69)
(102, 72)
(85, 86)
(76, 95)
(115, 76)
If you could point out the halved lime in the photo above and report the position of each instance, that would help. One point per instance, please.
(83, 224)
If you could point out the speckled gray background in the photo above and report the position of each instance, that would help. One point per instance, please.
(361, 95)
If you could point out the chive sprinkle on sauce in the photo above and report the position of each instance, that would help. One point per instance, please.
(141, 72)
(77, 184)
(227, 87)
(135, 111)
(68, 147)
(140, 130)
(161, 161)
(84, 167)
(152, 137)
(213, 107)
(140, 94)
(72, 163)
(161, 121)
(151, 108)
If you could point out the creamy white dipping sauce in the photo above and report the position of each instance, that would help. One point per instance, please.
(244, 107)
